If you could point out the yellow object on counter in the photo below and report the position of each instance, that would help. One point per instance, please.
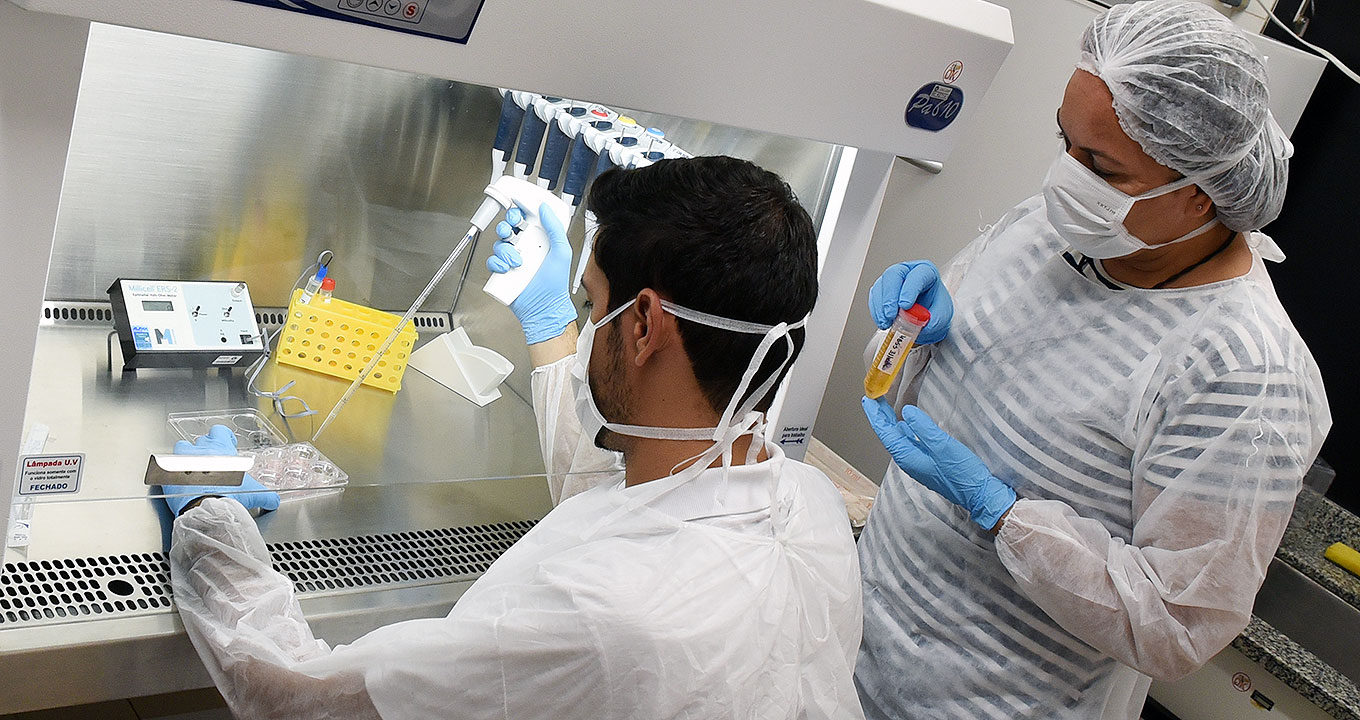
(1345, 556)
(339, 338)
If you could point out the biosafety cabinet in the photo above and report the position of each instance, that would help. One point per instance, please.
(198, 155)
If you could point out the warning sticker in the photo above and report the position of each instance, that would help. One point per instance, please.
(50, 474)
(793, 435)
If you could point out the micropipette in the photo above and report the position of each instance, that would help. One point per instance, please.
(578, 171)
(530, 137)
(583, 157)
(512, 114)
(557, 144)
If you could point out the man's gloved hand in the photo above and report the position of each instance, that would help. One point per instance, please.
(936, 460)
(544, 308)
(219, 441)
(904, 285)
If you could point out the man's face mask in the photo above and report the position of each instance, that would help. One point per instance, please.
(738, 417)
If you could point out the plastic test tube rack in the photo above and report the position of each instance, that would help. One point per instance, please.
(339, 338)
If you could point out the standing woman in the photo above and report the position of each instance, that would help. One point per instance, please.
(1095, 462)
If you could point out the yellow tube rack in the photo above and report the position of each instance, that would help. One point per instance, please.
(339, 338)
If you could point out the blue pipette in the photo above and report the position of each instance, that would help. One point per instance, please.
(530, 140)
(555, 149)
(512, 114)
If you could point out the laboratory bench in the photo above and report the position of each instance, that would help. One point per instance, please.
(438, 488)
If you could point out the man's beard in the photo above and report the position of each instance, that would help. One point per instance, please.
(611, 396)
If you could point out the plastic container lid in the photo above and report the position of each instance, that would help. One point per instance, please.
(917, 314)
(329, 284)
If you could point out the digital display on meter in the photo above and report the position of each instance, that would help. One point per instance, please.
(157, 305)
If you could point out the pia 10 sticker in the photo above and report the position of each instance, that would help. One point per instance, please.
(935, 106)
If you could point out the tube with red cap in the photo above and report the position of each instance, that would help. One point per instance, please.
(888, 361)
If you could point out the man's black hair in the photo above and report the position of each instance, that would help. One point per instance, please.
(714, 234)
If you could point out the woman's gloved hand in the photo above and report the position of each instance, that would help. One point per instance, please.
(220, 440)
(544, 308)
(904, 285)
(936, 460)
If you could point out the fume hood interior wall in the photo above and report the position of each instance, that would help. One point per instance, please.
(192, 159)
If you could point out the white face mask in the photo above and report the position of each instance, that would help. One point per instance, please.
(1089, 213)
(738, 417)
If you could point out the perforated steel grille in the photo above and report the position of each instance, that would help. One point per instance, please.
(56, 591)
(98, 313)
(424, 321)
(405, 558)
(79, 588)
(67, 312)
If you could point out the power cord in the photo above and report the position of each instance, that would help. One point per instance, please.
(1319, 50)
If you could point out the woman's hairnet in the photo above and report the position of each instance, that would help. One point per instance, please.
(1190, 88)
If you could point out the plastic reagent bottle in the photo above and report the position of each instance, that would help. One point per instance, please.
(313, 285)
(891, 354)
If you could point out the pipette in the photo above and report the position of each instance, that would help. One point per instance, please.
(656, 144)
(583, 157)
(512, 114)
(578, 171)
(557, 144)
(483, 217)
(530, 138)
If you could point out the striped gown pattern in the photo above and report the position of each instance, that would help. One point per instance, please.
(1156, 439)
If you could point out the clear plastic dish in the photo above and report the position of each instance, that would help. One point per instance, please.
(296, 470)
(253, 430)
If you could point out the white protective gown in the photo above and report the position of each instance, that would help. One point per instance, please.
(1156, 439)
(704, 599)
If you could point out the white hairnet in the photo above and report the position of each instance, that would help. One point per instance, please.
(1190, 88)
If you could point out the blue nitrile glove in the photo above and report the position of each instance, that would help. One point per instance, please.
(544, 308)
(219, 441)
(939, 462)
(904, 285)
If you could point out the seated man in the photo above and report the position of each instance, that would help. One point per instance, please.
(709, 577)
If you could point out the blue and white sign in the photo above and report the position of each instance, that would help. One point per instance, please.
(934, 106)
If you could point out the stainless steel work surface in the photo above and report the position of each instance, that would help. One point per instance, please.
(423, 433)
(438, 488)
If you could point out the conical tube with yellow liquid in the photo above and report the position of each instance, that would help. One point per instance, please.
(891, 354)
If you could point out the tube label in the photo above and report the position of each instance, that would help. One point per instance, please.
(897, 343)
